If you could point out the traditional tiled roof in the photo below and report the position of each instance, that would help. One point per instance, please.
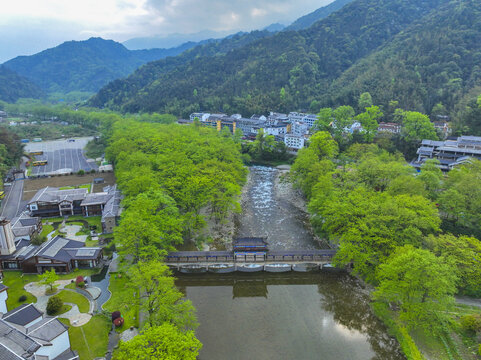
(47, 329)
(22, 315)
(14, 341)
(55, 195)
(112, 207)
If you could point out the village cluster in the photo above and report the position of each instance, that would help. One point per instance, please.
(293, 129)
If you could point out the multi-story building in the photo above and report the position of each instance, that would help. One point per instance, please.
(449, 152)
(52, 202)
(389, 127)
(295, 142)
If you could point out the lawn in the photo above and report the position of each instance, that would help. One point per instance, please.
(15, 282)
(46, 229)
(117, 302)
(63, 310)
(75, 298)
(90, 340)
(85, 186)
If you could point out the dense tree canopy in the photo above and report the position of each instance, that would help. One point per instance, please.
(421, 284)
(160, 342)
(162, 167)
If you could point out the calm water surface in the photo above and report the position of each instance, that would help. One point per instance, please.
(283, 316)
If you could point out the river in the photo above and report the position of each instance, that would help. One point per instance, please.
(264, 316)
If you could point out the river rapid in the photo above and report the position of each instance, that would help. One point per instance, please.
(261, 316)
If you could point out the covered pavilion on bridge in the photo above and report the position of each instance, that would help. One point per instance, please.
(250, 248)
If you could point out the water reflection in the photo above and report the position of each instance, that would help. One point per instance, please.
(264, 316)
(286, 316)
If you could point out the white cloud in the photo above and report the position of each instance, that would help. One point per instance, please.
(54, 21)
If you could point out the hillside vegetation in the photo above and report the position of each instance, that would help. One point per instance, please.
(14, 86)
(290, 70)
(84, 65)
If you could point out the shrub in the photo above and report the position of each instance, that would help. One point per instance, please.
(81, 284)
(471, 323)
(79, 279)
(54, 305)
(119, 321)
(38, 240)
(81, 172)
(115, 315)
(22, 298)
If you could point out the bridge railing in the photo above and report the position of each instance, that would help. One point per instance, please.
(271, 256)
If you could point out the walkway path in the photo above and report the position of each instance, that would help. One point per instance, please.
(468, 301)
(71, 230)
(74, 315)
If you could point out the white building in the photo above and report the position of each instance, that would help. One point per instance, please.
(200, 116)
(25, 333)
(3, 298)
(309, 120)
(299, 128)
(294, 141)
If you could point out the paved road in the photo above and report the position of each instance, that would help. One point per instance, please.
(61, 155)
(12, 203)
(468, 301)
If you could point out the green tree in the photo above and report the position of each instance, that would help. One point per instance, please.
(369, 121)
(160, 342)
(314, 161)
(48, 278)
(324, 120)
(54, 305)
(420, 284)
(460, 203)
(431, 175)
(466, 254)
(158, 297)
(150, 226)
(417, 126)
(369, 225)
(365, 101)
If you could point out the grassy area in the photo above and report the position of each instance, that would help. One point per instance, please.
(46, 229)
(90, 340)
(75, 298)
(63, 310)
(85, 186)
(15, 282)
(454, 343)
(117, 302)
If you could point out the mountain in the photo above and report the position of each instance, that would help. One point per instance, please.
(288, 70)
(306, 21)
(85, 65)
(120, 91)
(173, 40)
(14, 86)
(275, 27)
(436, 60)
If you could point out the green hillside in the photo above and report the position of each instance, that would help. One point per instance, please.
(437, 60)
(308, 20)
(85, 65)
(290, 70)
(14, 86)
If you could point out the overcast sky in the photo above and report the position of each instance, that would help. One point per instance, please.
(29, 26)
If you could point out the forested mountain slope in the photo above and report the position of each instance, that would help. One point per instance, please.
(85, 65)
(308, 20)
(437, 60)
(290, 70)
(120, 91)
(14, 86)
